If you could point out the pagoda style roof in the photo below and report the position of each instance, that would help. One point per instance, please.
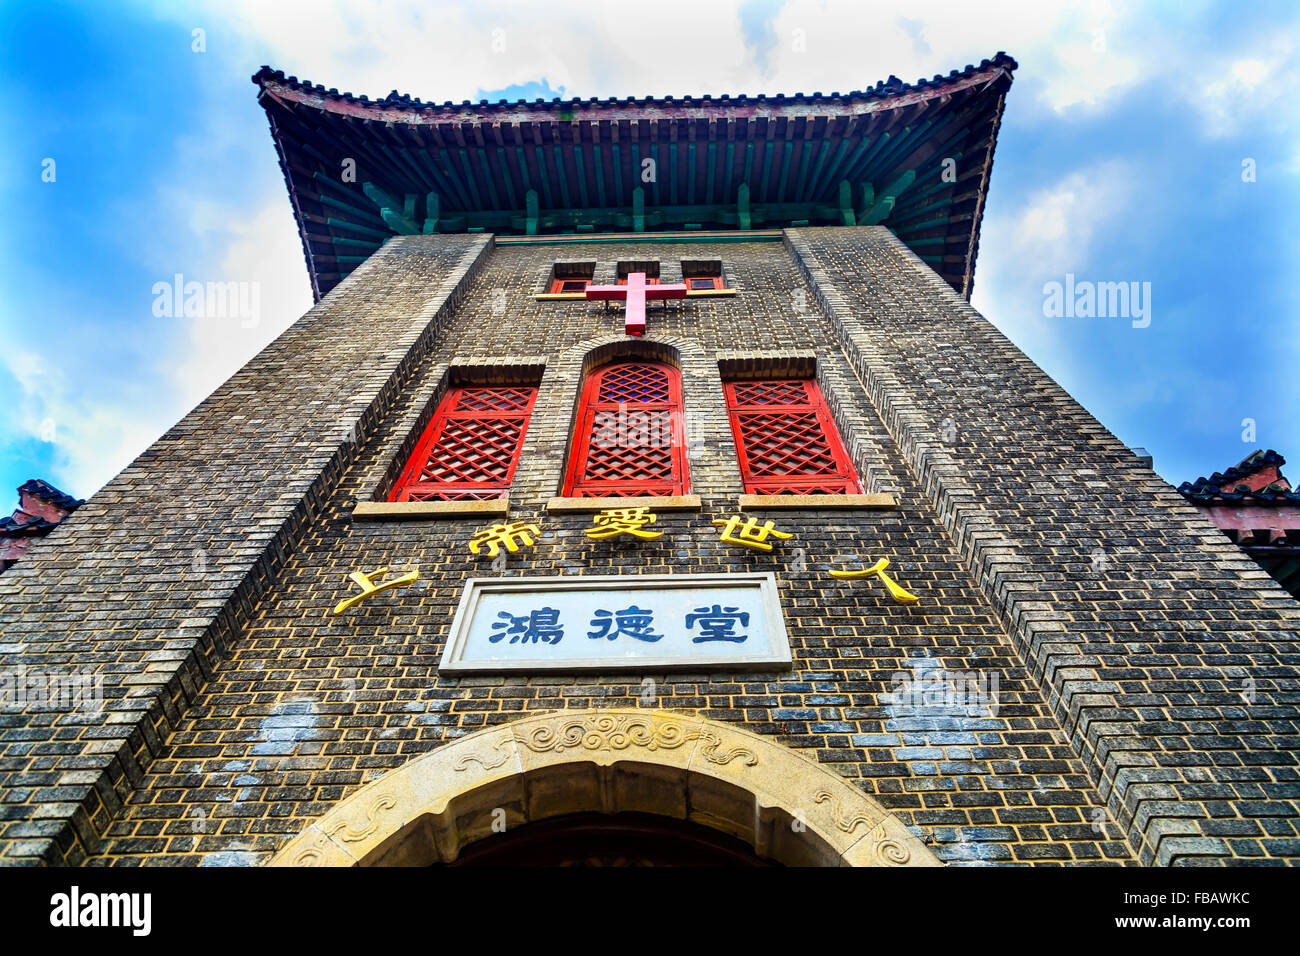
(361, 170)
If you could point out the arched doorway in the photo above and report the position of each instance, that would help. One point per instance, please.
(665, 767)
(610, 840)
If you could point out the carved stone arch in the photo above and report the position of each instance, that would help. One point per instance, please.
(788, 807)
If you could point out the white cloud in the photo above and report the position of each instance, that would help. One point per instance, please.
(1250, 88)
(92, 438)
(263, 250)
(1055, 227)
(1074, 56)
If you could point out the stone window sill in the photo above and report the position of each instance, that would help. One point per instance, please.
(428, 510)
(815, 502)
(653, 502)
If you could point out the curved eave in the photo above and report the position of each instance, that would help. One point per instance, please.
(573, 166)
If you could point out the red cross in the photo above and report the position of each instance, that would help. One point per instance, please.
(635, 294)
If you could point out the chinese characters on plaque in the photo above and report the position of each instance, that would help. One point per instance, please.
(611, 622)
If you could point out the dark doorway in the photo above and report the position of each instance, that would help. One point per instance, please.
(618, 839)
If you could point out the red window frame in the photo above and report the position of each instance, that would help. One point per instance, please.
(715, 282)
(649, 280)
(466, 438)
(557, 285)
(637, 449)
(786, 440)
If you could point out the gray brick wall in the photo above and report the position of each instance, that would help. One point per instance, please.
(151, 585)
(1145, 664)
(263, 712)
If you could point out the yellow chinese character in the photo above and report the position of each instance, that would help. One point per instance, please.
(878, 569)
(366, 581)
(615, 521)
(749, 534)
(510, 534)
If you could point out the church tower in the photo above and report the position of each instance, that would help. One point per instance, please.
(643, 488)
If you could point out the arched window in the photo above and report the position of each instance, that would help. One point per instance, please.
(628, 436)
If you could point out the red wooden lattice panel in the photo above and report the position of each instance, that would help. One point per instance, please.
(786, 442)
(471, 447)
(628, 439)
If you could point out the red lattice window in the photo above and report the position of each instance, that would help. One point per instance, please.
(786, 441)
(628, 439)
(471, 447)
(701, 283)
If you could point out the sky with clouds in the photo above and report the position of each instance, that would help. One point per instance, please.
(1120, 158)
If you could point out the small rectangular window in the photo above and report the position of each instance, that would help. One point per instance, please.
(470, 448)
(702, 275)
(626, 267)
(570, 278)
(569, 285)
(786, 441)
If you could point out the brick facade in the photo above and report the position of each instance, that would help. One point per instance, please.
(1121, 624)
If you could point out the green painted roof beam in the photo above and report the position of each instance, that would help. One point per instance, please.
(351, 206)
(380, 234)
(766, 176)
(475, 193)
(359, 243)
(580, 173)
(530, 212)
(638, 209)
(846, 204)
(743, 219)
(710, 160)
(597, 155)
(835, 163)
(459, 190)
(540, 157)
(690, 173)
(561, 176)
(672, 174)
(489, 179)
(431, 204)
(803, 170)
(504, 165)
(785, 168)
(729, 169)
(879, 209)
(658, 190)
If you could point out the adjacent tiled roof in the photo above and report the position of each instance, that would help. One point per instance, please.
(875, 156)
(47, 492)
(1230, 486)
(13, 528)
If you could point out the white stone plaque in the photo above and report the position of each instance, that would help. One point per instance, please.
(640, 622)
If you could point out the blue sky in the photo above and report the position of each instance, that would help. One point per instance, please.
(1120, 159)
